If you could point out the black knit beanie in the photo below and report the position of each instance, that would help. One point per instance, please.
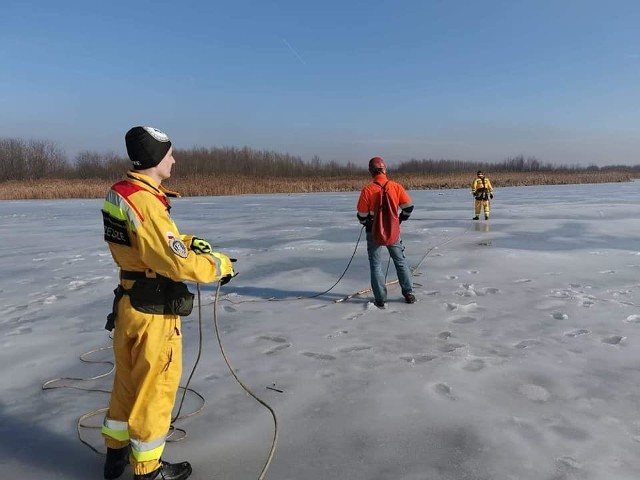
(146, 146)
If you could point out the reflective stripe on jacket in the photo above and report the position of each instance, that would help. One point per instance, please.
(141, 235)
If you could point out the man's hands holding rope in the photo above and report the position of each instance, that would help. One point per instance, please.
(201, 246)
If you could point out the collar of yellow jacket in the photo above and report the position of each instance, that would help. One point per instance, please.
(151, 184)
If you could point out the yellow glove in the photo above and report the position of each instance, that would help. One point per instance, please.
(226, 267)
(200, 246)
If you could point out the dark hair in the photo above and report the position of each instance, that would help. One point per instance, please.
(376, 165)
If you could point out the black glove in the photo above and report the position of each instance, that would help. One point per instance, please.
(227, 278)
(491, 195)
(473, 194)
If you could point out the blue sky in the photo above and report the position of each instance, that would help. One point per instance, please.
(345, 80)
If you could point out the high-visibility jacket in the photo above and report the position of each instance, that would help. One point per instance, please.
(142, 236)
(369, 199)
(481, 183)
(147, 347)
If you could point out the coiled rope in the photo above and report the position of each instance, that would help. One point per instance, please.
(81, 423)
(52, 384)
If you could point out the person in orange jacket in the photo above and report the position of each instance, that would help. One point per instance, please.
(482, 192)
(154, 258)
(367, 207)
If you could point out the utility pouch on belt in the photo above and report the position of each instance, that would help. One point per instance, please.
(111, 318)
(482, 194)
(161, 296)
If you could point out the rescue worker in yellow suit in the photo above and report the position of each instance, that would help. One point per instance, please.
(154, 258)
(482, 191)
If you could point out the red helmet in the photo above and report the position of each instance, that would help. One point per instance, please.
(376, 165)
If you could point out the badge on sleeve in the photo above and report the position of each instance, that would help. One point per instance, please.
(177, 246)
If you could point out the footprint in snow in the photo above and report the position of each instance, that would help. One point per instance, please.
(559, 316)
(353, 316)
(614, 340)
(277, 348)
(633, 319)
(463, 320)
(577, 332)
(526, 344)
(463, 308)
(533, 392)
(450, 347)
(444, 390)
(319, 356)
(567, 463)
(273, 338)
(354, 348)
(418, 358)
(488, 291)
(474, 365)
(339, 333)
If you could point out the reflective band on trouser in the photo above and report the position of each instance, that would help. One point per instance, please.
(116, 429)
(146, 451)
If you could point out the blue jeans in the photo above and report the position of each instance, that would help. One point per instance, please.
(396, 251)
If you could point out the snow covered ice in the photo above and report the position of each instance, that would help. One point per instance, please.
(519, 361)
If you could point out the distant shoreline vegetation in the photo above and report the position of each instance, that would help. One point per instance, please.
(40, 170)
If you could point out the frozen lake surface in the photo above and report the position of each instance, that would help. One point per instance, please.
(519, 361)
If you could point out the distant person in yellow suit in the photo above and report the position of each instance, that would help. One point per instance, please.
(154, 258)
(482, 191)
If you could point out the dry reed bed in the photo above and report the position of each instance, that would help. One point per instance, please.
(241, 185)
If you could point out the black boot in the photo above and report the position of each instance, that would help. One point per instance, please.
(476, 218)
(410, 298)
(168, 471)
(117, 459)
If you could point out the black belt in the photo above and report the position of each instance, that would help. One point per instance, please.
(129, 275)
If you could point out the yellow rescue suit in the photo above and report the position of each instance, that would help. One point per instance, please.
(482, 191)
(144, 240)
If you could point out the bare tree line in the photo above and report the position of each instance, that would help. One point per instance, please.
(28, 160)
(40, 159)
(247, 161)
(510, 165)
